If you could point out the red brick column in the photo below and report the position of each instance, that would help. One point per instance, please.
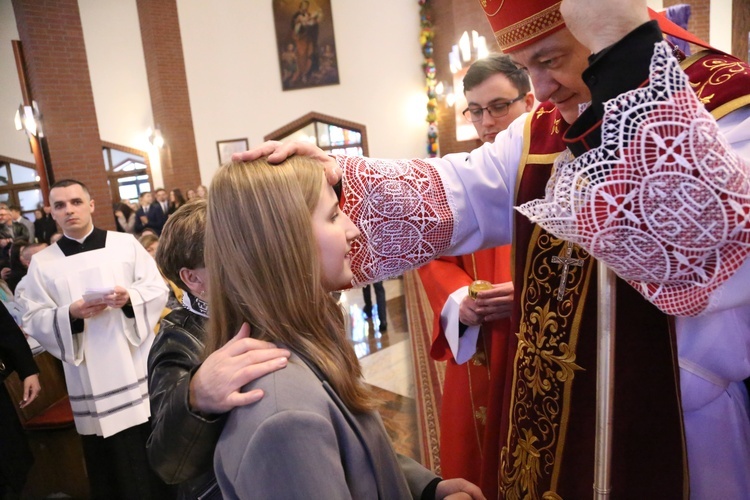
(700, 19)
(58, 72)
(167, 83)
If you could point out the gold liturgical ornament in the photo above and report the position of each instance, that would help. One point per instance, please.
(478, 286)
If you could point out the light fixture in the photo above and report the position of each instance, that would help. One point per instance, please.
(445, 93)
(29, 119)
(155, 138)
(468, 49)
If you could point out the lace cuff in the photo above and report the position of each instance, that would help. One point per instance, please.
(402, 210)
(664, 201)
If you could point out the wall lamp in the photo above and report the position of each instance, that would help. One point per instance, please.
(155, 138)
(29, 118)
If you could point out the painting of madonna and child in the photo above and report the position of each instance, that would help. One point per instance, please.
(305, 42)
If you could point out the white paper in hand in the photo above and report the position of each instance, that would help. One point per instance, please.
(96, 295)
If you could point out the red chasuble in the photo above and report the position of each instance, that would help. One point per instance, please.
(548, 443)
(471, 409)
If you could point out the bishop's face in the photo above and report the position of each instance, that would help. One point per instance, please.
(72, 208)
(555, 64)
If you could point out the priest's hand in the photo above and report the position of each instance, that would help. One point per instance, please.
(597, 24)
(468, 313)
(496, 303)
(215, 386)
(83, 310)
(118, 299)
(458, 489)
(279, 151)
(31, 389)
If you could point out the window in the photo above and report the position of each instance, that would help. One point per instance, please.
(127, 170)
(330, 134)
(19, 185)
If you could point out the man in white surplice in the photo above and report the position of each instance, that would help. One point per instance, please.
(92, 300)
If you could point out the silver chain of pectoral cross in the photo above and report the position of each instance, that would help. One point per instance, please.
(566, 262)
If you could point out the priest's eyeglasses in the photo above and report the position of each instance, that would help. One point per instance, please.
(496, 109)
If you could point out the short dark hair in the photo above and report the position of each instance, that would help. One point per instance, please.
(15, 208)
(70, 182)
(182, 241)
(493, 64)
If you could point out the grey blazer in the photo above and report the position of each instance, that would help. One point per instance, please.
(300, 441)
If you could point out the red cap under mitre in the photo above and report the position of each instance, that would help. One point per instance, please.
(518, 23)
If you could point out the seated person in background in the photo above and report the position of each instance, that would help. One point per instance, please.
(18, 218)
(54, 238)
(44, 225)
(124, 218)
(16, 458)
(315, 434)
(186, 401)
(150, 242)
(16, 270)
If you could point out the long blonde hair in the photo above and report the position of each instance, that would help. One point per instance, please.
(264, 268)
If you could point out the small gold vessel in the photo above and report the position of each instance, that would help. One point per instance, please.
(478, 286)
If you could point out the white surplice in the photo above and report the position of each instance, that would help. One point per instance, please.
(105, 364)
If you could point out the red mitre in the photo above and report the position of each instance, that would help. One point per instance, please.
(518, 23)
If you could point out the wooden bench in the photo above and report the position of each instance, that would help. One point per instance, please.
(59, 467)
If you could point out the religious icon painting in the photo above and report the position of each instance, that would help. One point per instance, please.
(305, 43)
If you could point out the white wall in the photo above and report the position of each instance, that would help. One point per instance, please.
(720, 30)
(233, 75)
(13, 143)
(235, 86)
(118, 70)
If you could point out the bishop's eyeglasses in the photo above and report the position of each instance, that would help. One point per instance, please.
(496, 109)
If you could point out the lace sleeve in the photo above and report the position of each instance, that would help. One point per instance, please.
(402, 210)
(664, 201)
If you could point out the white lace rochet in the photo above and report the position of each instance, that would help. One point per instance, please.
(664, 201)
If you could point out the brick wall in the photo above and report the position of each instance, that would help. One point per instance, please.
(52, 40)
(170, 102)
(740, 28)
(700, 22)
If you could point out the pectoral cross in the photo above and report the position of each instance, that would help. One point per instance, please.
(566, 262)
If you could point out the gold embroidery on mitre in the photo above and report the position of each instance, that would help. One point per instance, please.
(544, 370)
(720, 72)
(529, 28)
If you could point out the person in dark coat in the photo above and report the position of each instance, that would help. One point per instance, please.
(15, 456)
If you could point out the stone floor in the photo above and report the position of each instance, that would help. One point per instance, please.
(386, 362)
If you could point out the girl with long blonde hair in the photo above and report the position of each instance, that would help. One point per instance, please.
(277, 244)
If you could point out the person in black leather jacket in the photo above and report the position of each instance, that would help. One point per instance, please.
(190, 396)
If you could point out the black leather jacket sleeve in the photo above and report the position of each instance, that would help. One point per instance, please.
(181, 445)
(14, 350)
